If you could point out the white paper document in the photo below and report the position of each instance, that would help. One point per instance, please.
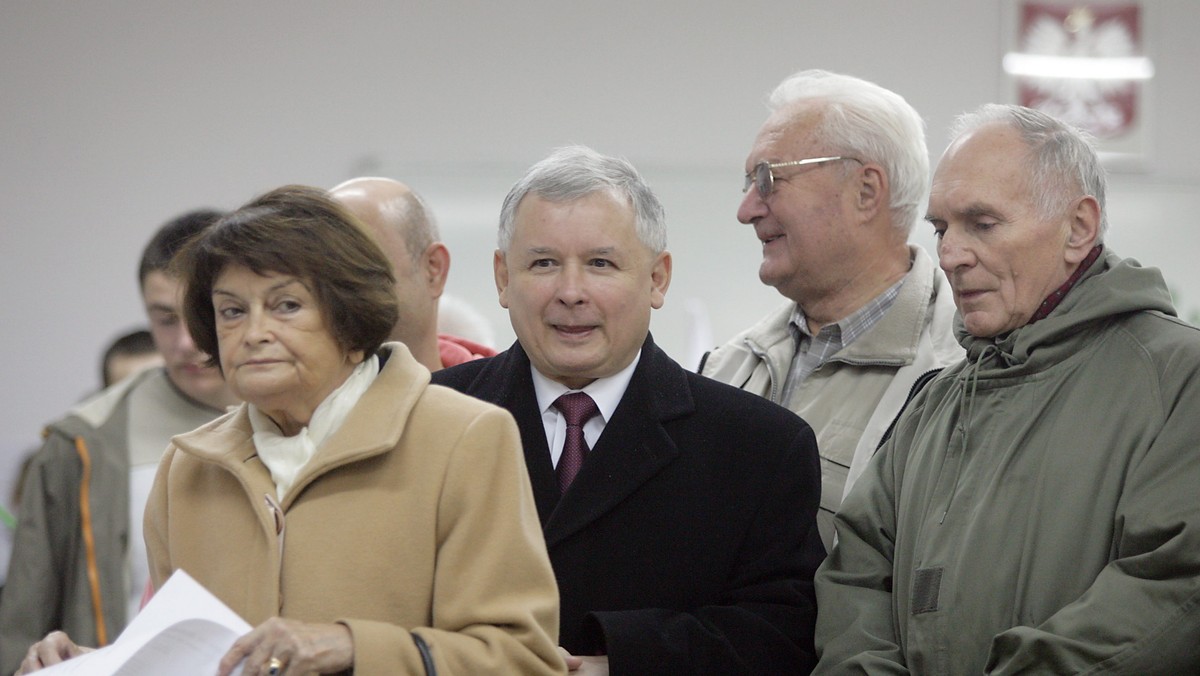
(183, 630)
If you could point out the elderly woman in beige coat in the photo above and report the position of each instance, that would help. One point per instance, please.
(360, 517)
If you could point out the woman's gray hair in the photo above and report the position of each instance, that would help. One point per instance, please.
(574, 172)
(872, 124)
(1063, 163)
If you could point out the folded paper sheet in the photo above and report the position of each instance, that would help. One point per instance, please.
(183, 630)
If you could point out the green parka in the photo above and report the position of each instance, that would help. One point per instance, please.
(70, 562)
(1038, 508)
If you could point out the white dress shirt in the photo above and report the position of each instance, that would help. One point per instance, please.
(606, 392)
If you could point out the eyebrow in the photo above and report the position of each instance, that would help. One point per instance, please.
(973, 210)
(600, 250)
(271, 289)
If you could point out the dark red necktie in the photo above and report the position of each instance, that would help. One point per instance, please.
(577, 408)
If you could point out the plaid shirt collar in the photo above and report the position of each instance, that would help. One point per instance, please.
(813, 351)
(849, 328)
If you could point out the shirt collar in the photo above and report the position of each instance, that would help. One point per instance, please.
(606, 392)
(850, 327)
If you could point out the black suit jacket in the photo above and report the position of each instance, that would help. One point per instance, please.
(688, 541)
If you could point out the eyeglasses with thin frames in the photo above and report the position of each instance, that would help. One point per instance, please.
(763, 176)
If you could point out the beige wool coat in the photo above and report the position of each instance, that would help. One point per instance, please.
(415, 516)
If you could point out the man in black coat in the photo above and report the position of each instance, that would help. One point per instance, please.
(684, 540)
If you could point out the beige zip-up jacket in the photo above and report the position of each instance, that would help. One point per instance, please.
(852, 399)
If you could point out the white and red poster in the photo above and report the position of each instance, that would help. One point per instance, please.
(1084, 62)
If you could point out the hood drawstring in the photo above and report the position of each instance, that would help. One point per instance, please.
(966, 408)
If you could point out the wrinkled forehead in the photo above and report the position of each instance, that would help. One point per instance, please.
(601, 219)
(971, 191)
(996, 147)
(989, 157)
(787, 133)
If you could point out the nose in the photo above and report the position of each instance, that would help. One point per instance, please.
(953, 251)
(752, 208)
(571, 289)
(183, 340)
(258, 328)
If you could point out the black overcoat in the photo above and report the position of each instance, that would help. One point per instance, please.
(687, 542)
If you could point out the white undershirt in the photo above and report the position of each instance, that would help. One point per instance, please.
(157, 412)
(606, 392)
(141, 479)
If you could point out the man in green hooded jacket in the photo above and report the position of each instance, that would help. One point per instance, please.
(1035, 509)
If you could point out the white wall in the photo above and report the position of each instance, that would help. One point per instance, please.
(115, 116)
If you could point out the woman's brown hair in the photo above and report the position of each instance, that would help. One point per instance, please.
(300, 231)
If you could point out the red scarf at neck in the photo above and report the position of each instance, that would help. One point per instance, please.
(1055, 298)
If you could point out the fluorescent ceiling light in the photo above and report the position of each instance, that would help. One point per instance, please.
(1079, 67)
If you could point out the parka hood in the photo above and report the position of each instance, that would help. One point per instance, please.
(1112, 287)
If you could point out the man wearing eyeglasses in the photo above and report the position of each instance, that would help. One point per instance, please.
(836, 179)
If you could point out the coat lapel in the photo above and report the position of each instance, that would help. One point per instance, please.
(634, 447)
(507, 382)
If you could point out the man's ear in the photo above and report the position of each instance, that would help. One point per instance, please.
(873, 189)
(435, 268)
(1085, 229)
(660, 279)
(500, 271)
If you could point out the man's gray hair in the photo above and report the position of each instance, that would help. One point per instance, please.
(872, 124)
(574, 172)
(1063, 163)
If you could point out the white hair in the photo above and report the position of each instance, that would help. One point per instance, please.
(872, 124)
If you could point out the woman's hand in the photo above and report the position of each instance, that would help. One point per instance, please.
(299, 647)
(55, 648)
